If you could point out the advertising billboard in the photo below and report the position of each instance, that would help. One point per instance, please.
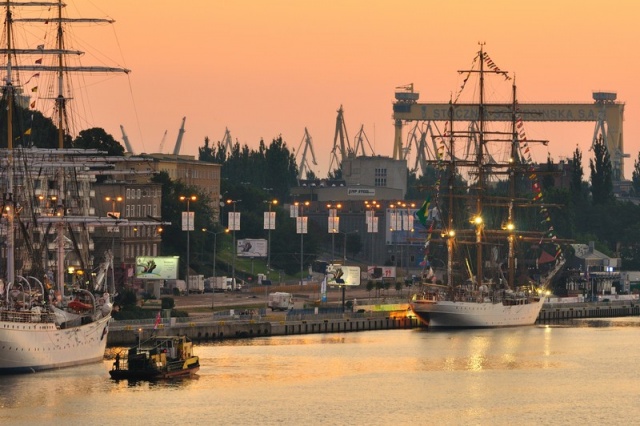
(251, 248)
(157, 267)
(343, 275)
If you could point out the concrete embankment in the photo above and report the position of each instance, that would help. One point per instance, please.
(561, 311)
(210, 330)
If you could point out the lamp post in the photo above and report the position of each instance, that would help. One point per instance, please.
(116, 215)
(333, 226)
(301, 228)
(215, 248)
(187, 225)
(344, 244)
(234, 225)
(269, 224)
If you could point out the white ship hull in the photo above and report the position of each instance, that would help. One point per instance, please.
(31, 346)
(475, 315)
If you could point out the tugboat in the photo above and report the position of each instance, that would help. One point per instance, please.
(160, 357)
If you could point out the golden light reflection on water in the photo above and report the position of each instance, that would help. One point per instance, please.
(378, 377)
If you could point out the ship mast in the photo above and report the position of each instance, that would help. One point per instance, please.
(480, 185)
(11, 272)
(60, 68)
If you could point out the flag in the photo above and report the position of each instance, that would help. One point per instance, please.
(28, 132)
(34, 89)
(39, 61)
(421, 214)
(158, 321)
(33, 76)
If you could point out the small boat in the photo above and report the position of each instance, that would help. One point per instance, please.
(160, 357)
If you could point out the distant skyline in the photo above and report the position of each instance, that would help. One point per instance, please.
(269, 68)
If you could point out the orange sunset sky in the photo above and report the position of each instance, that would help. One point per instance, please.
(264, 68)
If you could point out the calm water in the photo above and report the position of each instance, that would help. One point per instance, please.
(584, 373)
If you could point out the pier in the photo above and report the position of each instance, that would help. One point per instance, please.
(231, 326)
(125, 333)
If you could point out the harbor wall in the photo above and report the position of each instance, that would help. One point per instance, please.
(202, 331)
(561, 311)
(211, 329)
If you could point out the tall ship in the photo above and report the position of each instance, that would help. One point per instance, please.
(49, 317)
(486, 213)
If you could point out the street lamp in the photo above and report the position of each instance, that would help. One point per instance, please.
(301, 228)
(234, 225)
(269, 224)
(116, 215)
(215, 247)
(333, 226)
(187, 225)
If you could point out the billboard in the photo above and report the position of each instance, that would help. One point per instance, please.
(157, 267)
(251, 248)
(343, 275)
(381, 272)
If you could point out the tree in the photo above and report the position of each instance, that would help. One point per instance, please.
(548, 180)
(270, 167)
(635, 177)
(601, 178)
(97, 138)
(576, 172)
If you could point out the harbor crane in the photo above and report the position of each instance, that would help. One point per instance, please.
(304, 163)
(227, 142)
(162, 141)
(359, 140)
(344, 147)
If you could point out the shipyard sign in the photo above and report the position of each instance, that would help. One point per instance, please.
(362, 192)
(504, 112)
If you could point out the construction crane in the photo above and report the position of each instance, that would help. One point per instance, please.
(164, 138)
(176, 149)
(344, 147)
(304, 164)
(125, 138)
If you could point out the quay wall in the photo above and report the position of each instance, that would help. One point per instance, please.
(202, 331)
(210, 329)
(561, 311)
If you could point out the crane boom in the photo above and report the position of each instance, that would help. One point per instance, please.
(176, 149)
(125, 138)
(304, 163)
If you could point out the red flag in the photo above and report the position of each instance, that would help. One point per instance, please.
(39, 61)
(158, 321)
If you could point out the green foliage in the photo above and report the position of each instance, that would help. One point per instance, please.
(97, 138)
(168, 302)
(271, 167)
(601, 175)
(635, 177)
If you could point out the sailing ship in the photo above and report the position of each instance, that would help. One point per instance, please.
(47, 217)
(160, 357)
(482, 231)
